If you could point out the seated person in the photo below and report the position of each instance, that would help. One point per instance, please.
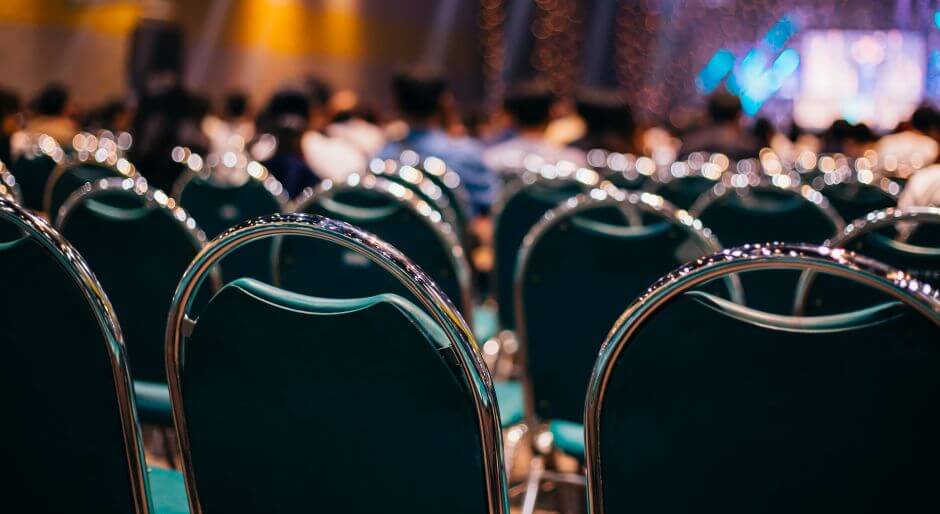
(723, 132)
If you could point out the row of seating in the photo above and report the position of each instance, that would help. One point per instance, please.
(692, 396)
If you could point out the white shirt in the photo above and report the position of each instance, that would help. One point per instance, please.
(510, 154)
(364, 135)
(908, 147)
(332, 158)
(922, 189)
(227, 136)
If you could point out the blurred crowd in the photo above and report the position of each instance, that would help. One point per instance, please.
(308, 132)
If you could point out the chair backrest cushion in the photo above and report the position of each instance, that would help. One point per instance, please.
(349, 405)
(32, 173)
(73, 178)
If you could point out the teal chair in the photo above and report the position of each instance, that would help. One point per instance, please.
(219, 206)
(78, 169)
(425, 188)
(9, 187)
(74, 444)
(138, 243)
(34, 168)
(574, 277)
(621, 169)
(687, 180)
(854, 197)
(746, 209)
(882, 236)
(372, 404)
(522, 203)
(697, 404)
(389, 211)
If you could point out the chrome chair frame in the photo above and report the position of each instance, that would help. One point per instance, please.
(436, 167)
(860, 228)
(917, 295)
(885, 185)
(427, 187)
(711, 166)
(401, 195)
(73, 264)
(254, 170)
(777, 183)
(604, 196)
(434, 301)
(625, 165)
(8, 186)
(102, 158)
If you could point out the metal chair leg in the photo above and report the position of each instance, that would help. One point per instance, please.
(536, 468)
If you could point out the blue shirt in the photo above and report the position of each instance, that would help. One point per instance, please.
(464, 156)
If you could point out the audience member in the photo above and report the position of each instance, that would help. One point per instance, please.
(350, 122)
(419, 96)
(723, 133)
(288, 114)
(529, 106)
(52, 115)
(916, 143)
(233, 128)
(329, 157)
(608, 122)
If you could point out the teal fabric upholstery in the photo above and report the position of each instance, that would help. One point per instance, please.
(568, 437)
(713, 407)
(485, 322)
(578, 278)
(854, 201)
(765, 217)
(217, 208)
(168, 491)
(75, 177)
(519, 213)
(64, 448)
(302, 262)
(32, 173)
(354, 402)
(153, 403)
(682, 192)
(511, 402)
(139, 255)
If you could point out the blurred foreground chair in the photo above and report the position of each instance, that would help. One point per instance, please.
(361, 405)
(697, 404)
(74, 440)
(9, 187)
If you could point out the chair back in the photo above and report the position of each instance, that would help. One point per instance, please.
(882, 236)
(139, 251)
(750, 208)
(522, 203)
(622, 170)
(219, 206)
(78, 169)
(573, 277)
(73, 442)
(854, 193)
(391, 212)
(9, 187)
(424, 187)
(34, 168)
(685, 181)
(697, 404)
(351, 401)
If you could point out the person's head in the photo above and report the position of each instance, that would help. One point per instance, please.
(288, 117)
(723, 107)
(836, 136)
(51, 101)
(925, 119)
(113, 115)
(419, 94)
(9, 111)
(605, 110)
(529, 104)
(763, 131)
(198, 107)
(236, 105)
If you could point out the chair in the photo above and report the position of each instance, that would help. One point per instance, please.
(363, 405)
(685, 181)
(855, 193)
(389, 211)
(34, 168)
(79, 168)
(751, 208)
(9, 187)
(448, 180)
(421, 184)
(574, 277)
(522, 203)
(219, 206)
(622, 170)
(138, 243)
(882, 236)
(697, 404)
(74, 444)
